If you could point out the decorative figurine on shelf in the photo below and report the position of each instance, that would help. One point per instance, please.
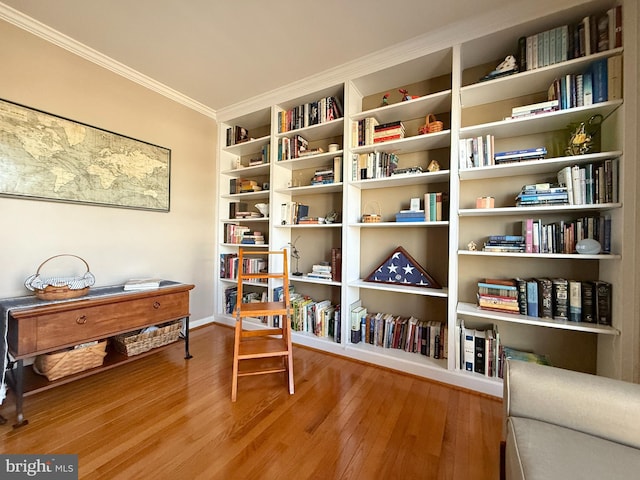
(434, 166)
(507, 67)
(471, 246)
(385, 100)
(330, 217)
(295, 254)
(582, 138)
(406, 96)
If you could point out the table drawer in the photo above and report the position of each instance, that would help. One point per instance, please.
(79, 325)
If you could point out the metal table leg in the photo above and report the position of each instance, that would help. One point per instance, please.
(187, 355)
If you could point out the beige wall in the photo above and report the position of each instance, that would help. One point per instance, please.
(117, 243)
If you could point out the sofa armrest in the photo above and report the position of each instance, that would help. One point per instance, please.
(599, 406)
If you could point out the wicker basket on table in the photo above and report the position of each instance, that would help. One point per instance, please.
(56, 365)
(133, 343)
(60, 287)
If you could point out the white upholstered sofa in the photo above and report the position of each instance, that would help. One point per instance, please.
(561, 424)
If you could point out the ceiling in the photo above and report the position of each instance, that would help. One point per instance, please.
(218, 53)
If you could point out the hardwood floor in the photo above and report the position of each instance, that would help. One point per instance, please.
(166, 418)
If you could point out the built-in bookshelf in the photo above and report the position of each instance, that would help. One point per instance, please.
(322, 169)
(484, 106)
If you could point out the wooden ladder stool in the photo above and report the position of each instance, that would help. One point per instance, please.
(263, 343)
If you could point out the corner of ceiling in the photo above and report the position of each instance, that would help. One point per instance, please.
(47, 33)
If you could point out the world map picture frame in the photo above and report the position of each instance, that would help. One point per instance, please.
(48, 157)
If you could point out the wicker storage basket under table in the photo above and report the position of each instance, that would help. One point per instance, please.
(136, 343)
(56, 365)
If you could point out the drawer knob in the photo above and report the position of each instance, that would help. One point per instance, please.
(81, 320)
(156, 305)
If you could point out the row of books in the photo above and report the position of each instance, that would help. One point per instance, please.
(291, 213)
(241, 234)
(601, 82)
(229, 265)
(315, 317)
(592, 34)
(591, 183)
(410, 334)
(362, 131)
(236, 134)
(480, 350)
(308, 114)
(556, 298)
(368, 131)
(231, 297)
(562, 236)
(373, 165)
(290, 148)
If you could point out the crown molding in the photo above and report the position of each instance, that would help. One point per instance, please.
(435, 40)
(47, 33)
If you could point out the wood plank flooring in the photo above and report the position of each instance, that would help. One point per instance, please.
(166, 418)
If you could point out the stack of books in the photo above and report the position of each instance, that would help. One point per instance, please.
(252, 238)
(498, 295)
(505, 243)
(535, 109)
(323, 175)
(535, 153)
(542, 194)
(388, 131)
(410, 216)
(323, 110)
(322, 271)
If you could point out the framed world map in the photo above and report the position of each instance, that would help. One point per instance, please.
(47, 157)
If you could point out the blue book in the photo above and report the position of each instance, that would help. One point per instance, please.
(506, 238)
(532, 298)
(600, 84)
(587, 88)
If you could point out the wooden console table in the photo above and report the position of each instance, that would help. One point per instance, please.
(40, 326)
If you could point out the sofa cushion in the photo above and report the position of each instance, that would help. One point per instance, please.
(539, 450)
(594, 405)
